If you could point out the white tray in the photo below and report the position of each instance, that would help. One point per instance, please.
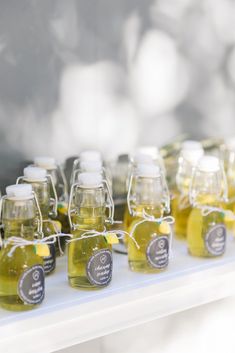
(69, 316)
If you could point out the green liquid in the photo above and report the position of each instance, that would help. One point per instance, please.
(11, 268)
(198, 228)
(79, 252)
(143, 235)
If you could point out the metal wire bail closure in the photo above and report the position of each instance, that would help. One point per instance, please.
(74, 170)
(65, 184)
(72, 227)
(55, 199)
(110, 204)
(129, 198)
(39, 215)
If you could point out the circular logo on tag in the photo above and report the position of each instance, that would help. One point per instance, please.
(49, 262)
(157, 252)
(215, 240)
(31, 285)
(99, 268)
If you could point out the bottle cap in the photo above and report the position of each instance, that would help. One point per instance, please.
(148, 170)
(45, 162)
(191, 145)
(209, 164)
(142, 158)
(192, 156)
(35, 174)
(151, 151)
(230, 143)
(91, 166)
(90, 155)
(90, 180)
(192, 151)
(19, 191)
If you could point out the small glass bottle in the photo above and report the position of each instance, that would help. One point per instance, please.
(56, 172)
(148, 155)
(191, 152)
(90, 259)
(152, 234)
(42, 184)
(206, 231)
(228, 155)
(21, 272)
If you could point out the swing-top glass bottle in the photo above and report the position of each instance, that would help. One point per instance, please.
(21, 269)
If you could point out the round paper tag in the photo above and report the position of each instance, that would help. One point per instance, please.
(157, 252)
(215, 240)
(31, 285)
(99, 268)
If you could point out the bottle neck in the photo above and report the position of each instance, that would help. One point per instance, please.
(208, 188)
(89, 211)
(184, 176)
(208, 200)
(19, 218)
(148, 196)
(42, 191)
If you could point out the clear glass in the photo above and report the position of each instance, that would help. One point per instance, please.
(208, 190)
(229, 161)
(42, 191)
(87, 213)
(180, 204)
(149, 197)
(20, 220)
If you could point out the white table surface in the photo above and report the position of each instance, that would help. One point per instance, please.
(70, 316)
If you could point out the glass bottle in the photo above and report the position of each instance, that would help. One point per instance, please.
(206, 231)
(228, 154)
(89, 259)
(21, 272)
(153, 234)
(42, 184)
(191, 152)
(148, 155)
(56, 172)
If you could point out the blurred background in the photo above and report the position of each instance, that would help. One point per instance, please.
(112, 75)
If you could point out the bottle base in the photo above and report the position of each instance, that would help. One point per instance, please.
(144, 267)
(13, 303)
(82, 283)
(203, 254)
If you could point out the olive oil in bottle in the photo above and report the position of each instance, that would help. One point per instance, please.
(206, 231)
(42, 184)
(89, 253)
(21, 269)
(56, 172)
(149, 229)
(148, 155)
(191, 152)
(228, 155)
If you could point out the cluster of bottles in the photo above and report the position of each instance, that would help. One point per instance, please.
(40, 214)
